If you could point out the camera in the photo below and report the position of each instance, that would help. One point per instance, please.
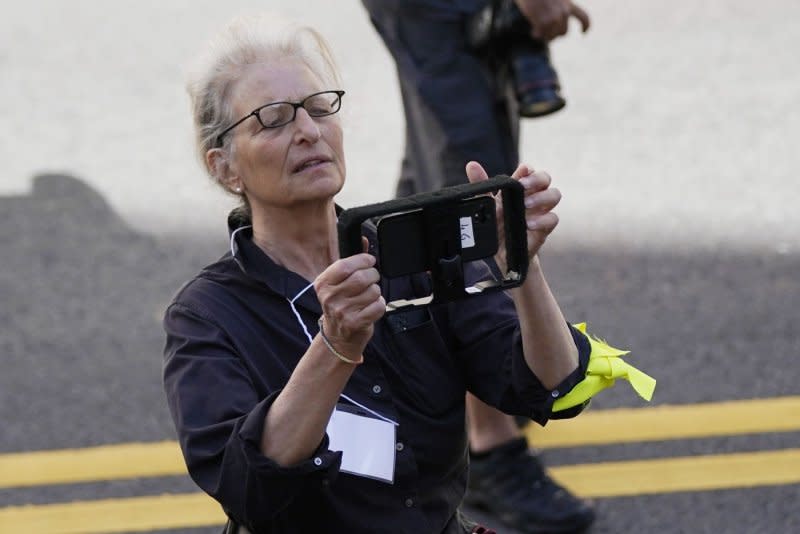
(502, 33)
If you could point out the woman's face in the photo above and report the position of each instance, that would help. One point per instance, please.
(298, 162)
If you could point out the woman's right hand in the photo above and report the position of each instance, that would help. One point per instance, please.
(351, 302)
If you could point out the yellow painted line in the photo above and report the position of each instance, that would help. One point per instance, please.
(781, 414)
(108, 462)
(138, 514)
(690, 473)
(608, 479)
(140, 460)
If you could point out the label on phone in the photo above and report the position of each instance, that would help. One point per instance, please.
(467, 232)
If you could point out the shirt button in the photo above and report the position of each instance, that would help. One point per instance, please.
(399, 446)
(376, 389)
(409, 503)
(317, 461)
(554, 394)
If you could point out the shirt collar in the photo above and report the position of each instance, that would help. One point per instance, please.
(255, 264)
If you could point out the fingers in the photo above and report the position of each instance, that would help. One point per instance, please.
(350, 296)
(476, 172)
(340, 270)
(559, 26)
(582, 16)
(353, 314)
(540, 200)
(544, 223)
(521, 170)
(550, 18)
(354, 279)
(533, 181)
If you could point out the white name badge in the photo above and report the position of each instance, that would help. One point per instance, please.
(367, 443)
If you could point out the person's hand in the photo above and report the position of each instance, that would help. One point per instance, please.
(540, 200)
(550, 18)
(351, 302)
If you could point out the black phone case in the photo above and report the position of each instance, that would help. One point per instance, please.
(430, 215)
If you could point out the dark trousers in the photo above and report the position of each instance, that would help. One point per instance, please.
(457, 108)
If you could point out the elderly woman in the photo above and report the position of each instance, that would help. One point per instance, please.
(300, 407)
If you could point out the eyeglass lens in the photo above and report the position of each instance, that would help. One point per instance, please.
(281, 113)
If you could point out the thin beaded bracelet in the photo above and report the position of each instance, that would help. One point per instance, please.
(333, 350)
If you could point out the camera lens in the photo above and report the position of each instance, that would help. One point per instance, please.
(535, 79)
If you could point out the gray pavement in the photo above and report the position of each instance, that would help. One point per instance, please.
(81, 347)
(679, 235)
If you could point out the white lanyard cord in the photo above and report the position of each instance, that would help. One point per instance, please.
(297, 314)
(305, 329)
(373, 412)
(308, 335)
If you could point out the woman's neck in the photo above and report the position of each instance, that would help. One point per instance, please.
(301, 240)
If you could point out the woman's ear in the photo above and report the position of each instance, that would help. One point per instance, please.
(219, 167)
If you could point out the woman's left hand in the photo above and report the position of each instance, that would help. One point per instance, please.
(540, 200)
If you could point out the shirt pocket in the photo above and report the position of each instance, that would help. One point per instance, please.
(427, 374)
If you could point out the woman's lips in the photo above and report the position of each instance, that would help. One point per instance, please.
(310, 163)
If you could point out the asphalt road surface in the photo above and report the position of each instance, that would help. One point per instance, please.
(679, 237)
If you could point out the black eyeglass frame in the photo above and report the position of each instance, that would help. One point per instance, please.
(296, 105)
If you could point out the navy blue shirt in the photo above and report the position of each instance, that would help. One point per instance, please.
(238, 329)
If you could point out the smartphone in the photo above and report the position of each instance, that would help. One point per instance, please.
(406, 240)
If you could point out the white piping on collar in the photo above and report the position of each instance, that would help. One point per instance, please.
(233, 238)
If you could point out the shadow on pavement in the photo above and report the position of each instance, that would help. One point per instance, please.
(83, 293)
(81, 340)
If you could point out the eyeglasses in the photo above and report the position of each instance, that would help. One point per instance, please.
(277, 114)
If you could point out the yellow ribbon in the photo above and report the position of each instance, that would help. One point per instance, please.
(605, 366)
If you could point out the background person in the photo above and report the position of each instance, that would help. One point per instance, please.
(281, 344)
(458, 108)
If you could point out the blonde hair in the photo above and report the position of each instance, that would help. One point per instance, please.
(244, 41)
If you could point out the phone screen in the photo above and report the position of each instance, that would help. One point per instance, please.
(405, 242)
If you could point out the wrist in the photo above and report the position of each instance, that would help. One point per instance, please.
(534, 266)
(533, 284)
(329, 344)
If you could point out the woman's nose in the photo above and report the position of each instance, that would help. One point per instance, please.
(306, 127)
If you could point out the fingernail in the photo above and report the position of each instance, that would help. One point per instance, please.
(529, 202)
(532, 224)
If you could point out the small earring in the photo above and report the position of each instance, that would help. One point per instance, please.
(238, 189)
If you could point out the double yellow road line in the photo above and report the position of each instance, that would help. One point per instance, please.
(601, 479)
